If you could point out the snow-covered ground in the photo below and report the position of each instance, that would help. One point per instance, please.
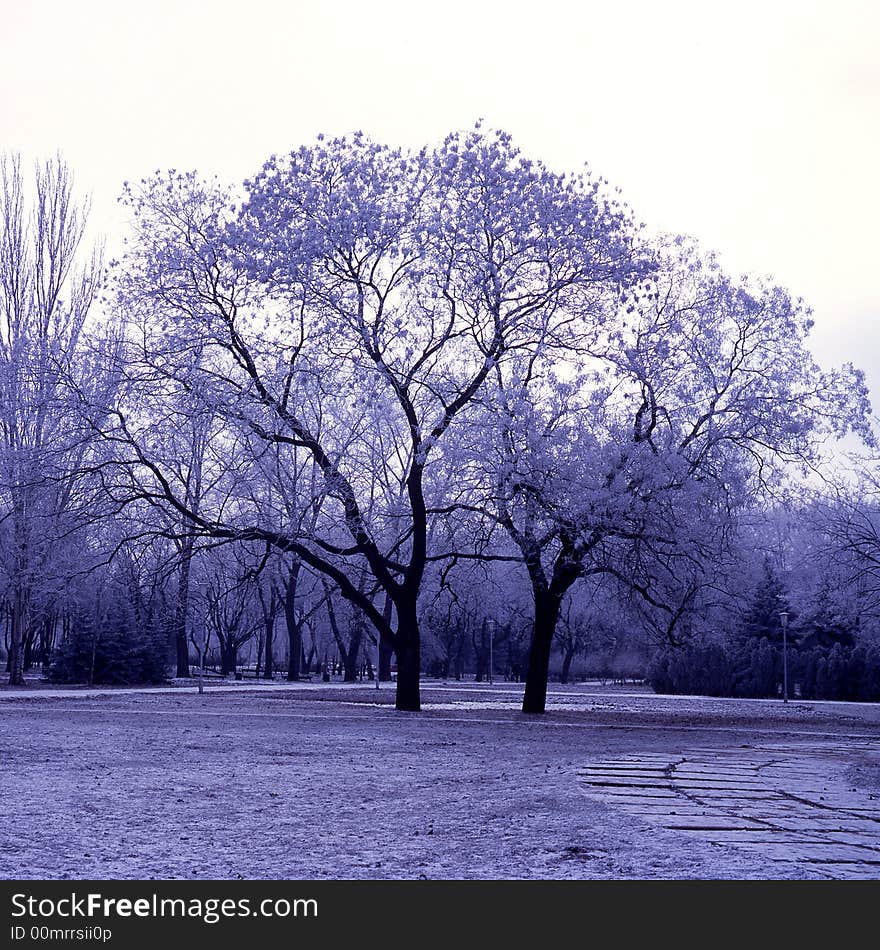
(310, 781)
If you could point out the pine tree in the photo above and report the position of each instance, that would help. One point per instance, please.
(769, 600)
(110, 652)
(825, 624)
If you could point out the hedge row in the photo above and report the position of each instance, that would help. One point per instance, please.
(755, 669)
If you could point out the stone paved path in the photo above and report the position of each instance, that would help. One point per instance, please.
(787, 804)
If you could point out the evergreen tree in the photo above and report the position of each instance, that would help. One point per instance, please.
(826, 624)
(769, 600)
(110, 652)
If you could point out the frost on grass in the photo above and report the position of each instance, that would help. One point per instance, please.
(274, 785)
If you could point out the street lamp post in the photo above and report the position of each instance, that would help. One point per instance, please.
(783, 616)
(378, 654)
(490, 627)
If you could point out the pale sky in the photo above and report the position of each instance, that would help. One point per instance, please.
(753, 125)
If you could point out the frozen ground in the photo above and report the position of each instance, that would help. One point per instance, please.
(313, 781)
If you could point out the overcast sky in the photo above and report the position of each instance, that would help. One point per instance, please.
(752, 125)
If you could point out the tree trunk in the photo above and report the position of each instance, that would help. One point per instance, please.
(481, 654)
(259, 664)
(28, 660)
(16, 657)
(91, 680)
(567, 657)
(408, 696)
(352, 654)
(47, 640)
(228, 657)
(269, 667)
(294, 629)
(386, 651)
(350, 658)
(181, 608)
(546, 615)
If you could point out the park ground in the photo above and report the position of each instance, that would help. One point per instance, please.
(313, 781)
